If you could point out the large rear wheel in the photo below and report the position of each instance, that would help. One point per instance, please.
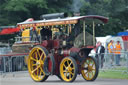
(89, 69)
(68, 69)
(36, 60)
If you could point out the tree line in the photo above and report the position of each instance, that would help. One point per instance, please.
(14, 11)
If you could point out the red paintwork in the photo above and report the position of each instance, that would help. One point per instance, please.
(90, 47)
(58, 56)
(50, 44)
(44, 43)
(125, 38)
(6, 31)
(47, 44)
(73, 49)
(56, 43)
(58, 59)
(29, 20)
(49, 65)
(103, 19)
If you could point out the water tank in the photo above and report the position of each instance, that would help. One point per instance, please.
(53, 16)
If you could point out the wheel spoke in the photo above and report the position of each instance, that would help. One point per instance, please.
(37, 72)
(40, 74)
(64, 71)
(92, 73)
(88, 75)
(68, 62)
(64, 65)
(41, 62)
(42, 70)
(36, 55)
(71, 72)
(31, 58)
(66, 74)
(33, 64)
(35, 69)
(93, 68)
(41, 55)
(89, 62)
(85, 66)
(93, 64)
(69, 76)
(38, 52)
(43, 59)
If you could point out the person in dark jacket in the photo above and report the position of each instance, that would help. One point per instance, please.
(100, 53)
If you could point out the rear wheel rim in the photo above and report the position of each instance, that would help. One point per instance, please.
(88, 69)
(36, 60)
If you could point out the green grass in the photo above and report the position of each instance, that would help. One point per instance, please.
(114, 74)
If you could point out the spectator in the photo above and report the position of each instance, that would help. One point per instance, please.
(111, 51)
(100, 53)
(117, 53)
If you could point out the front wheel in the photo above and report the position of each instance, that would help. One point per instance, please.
(68, 69)
(89, 69)
(36, 61)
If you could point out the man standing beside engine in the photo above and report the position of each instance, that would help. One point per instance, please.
(100, 53)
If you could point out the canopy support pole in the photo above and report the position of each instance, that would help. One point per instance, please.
(84, 32)
(94, 33)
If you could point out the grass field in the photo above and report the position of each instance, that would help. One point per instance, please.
(118, 73)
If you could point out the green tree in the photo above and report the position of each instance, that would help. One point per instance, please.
(115, 10)
(19, 10)
(14, 11)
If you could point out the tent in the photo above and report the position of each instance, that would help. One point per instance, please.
(122, 33)
(8, 30)
(103, 39)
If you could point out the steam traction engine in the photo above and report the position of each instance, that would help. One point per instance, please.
(59, 47)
